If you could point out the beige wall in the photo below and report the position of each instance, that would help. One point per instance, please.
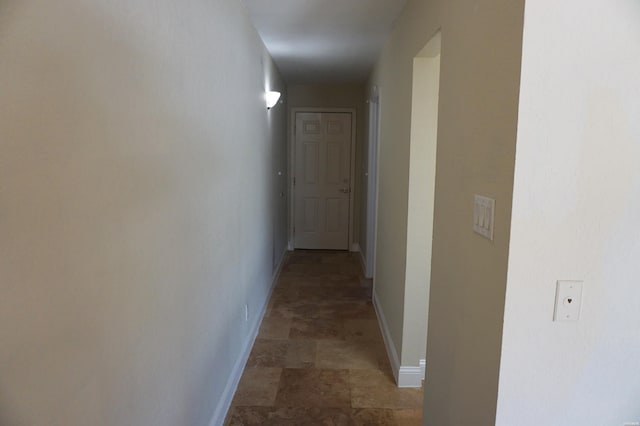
(480, 64)
(339, 96)
(137, 208)
(575, 217)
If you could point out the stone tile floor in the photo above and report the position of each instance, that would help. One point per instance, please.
(319, 358)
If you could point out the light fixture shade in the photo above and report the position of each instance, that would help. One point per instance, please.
(272, 99)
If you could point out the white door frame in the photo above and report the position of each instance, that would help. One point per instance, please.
(372, 181)
(292, 166)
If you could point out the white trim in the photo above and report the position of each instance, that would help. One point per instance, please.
(406, 376)
(224, 404)
(423, 368)
(355, 248)
(292, 166)
(388, 341)
(410, 377)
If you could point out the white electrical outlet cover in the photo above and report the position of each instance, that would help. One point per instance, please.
(568, 301)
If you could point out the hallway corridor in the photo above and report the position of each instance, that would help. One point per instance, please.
(319, 358)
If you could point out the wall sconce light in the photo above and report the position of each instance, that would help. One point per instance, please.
(272, 99)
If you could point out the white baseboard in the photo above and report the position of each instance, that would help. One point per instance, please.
(355, 248)
(388, 341)
(410, 377)
(224, 404)
(363, 263)
(406, 376)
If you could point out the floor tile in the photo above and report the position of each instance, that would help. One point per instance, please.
(319, 358)
(339, 258)
(350, 269)
(349, 293)
(311, 269)
(316, 329)
(375, 389)
(304, 257)
(363, 329)
(314, 388)
(408, 417)
(287, 282)
(301, 354)
(293, 310)
(268, 353)
(290, 416)
(372, 416)
(338, 354)
(258, 387)
(275, 328)
(283, 353)
(345, 310)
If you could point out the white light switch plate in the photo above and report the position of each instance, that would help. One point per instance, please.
(483, 212)
(568, 301)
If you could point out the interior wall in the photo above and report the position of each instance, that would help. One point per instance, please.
(480, 67)
(575, 211)
(137, 209)
(339, 96)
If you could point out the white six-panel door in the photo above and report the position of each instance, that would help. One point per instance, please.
(322, 180)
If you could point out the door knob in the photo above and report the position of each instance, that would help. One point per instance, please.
(345, 190)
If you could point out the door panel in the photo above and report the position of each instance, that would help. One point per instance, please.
(311, 161)
(310, 215)
(333, 163)
(322, 186)
(333, 214)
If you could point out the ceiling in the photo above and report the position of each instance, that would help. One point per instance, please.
(324, 41)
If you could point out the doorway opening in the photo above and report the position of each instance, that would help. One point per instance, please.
(422, 177)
